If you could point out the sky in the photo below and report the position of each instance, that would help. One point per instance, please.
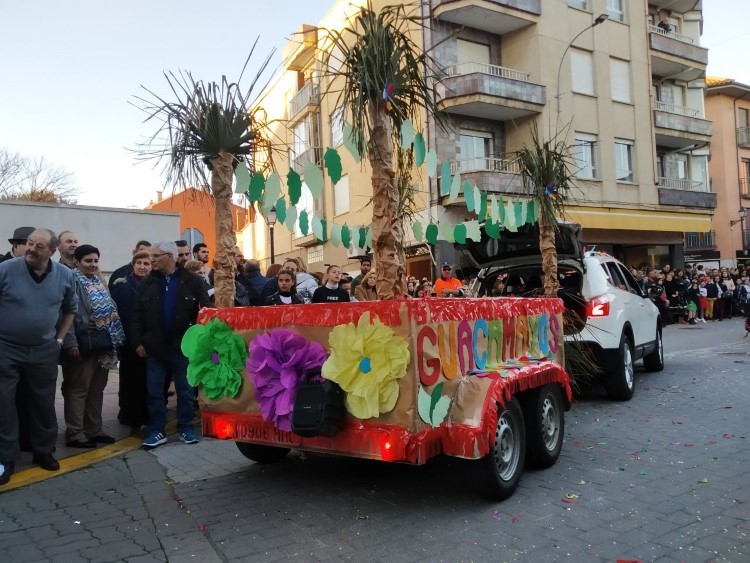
(71, 69)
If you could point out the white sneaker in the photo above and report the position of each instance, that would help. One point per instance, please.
(703, 321)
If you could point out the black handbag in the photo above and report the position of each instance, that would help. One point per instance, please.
(318, 408)
(94, 342)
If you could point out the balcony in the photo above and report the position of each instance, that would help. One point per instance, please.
(495, 16)
(490, 92)
(676, 56)
(679, 127)
(300, 49)
(700, 241)
(743, 137)
(680, 6)
(306, 99)
(493, 175)
(311, 154)
(685, 193)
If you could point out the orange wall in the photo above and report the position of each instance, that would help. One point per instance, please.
(198, 211)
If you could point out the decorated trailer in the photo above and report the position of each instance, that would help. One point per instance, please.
(397, 381)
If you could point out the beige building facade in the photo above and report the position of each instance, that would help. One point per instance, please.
(627, 95)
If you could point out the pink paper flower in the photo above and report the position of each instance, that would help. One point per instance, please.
(278, 364)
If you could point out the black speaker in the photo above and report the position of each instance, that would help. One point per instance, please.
(318, 409)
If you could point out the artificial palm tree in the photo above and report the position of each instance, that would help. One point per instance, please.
(203, 134)
(388, 79)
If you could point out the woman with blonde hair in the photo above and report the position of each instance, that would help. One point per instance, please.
(366, 291)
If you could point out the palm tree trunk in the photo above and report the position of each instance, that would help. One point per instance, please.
(549, 256)
(224, 265)
(387, 233)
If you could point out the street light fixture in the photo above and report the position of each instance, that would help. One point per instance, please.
(601, 18)
(271, 221)
(743, 214)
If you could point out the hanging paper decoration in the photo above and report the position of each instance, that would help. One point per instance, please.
(432, 233)
(482, 213)
(332, 160)
(316, 227)
(501, 208)
(294, 185)
(455, 186)
(431, 163)
(278, 365)
(407, 134)
(494, 209)
(389, 90)
(469, 196)
(352, 138)
(446, 232)
(362, 237)
(242, 179)
(313, 179)
(419, 149)
(524, 213)
(272, 192)
(367, 360)
(335, 235)
(492, 229)
(445, 179)
(510, 217)
(291, 218)
(477, 195)
(551, 189)
(368, 237)
(459, 233)
(518, 210)
(323, 230)
(473, 231)
(217, 356)
(304, 225)
(281, 210)
(346, 237)
(257, 183)
(531, 212)
(418, 231)
(433, 408)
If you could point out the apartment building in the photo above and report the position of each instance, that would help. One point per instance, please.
(627, 94)
(728, 107)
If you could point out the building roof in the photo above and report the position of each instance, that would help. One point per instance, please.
(727, 86)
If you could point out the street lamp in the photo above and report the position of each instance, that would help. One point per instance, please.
(743, 214)
(271, 221)
(601, 18)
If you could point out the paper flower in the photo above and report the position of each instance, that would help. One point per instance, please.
(433, 408)
(278, 364)
(217, 356)
(367, 360)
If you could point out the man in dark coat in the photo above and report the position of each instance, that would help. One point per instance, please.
(18, 244)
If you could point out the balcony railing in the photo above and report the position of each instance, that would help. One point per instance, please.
(462, 69)
(485, 164)
(743, 136)
(679, 110)
(307, 95)
(672, 34)
(681, 184)
(312, 154)
(704, 241)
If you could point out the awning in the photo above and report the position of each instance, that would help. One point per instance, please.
(638, 220)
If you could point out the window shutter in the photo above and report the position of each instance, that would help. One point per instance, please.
(582, 69)
(619, 72)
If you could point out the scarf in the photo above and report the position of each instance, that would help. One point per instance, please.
(104, 313)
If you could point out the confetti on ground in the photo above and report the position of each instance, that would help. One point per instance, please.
(631, 485)
(676, 443)
(619, 468)
(676, 422)
(689, 444)
(582, 482)
(643, 473)
(634, 453)
(725, 407)
(516, 518)
(570, 501)
(571, 496)
(703, 481)
(496, 515)
(712, 441)
(728, 436)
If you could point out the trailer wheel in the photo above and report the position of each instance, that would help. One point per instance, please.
(262, 454)
(502, 467)
(543, 413)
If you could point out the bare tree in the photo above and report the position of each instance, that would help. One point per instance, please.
(28, 179)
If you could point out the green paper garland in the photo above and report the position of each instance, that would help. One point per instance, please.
(346, 237)
(419, 149)
(445, 179)
(418, 231)
(362, 240)
(459, 233)
(313, 179)
(482, 206)
(492, 229)
(432, 233)
(304, 224)
(281, 210)
(407, 134)
(469, 197)
(352, 138)
(332, 160)
(294, 184)
(257, 183)
(242, 179)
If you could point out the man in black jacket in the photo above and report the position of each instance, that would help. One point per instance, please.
(166, 305)
(18, 243)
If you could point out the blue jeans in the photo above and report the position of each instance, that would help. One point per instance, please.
(156, 374)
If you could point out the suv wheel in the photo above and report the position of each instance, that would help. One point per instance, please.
(620, 384)
(655, 360)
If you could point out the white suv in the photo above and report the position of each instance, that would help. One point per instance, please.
(615, 321)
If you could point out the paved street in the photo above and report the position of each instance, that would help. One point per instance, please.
(660, 478)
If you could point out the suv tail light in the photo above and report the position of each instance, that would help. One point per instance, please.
(598, 306)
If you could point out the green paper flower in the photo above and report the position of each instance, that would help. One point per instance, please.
(217, 356)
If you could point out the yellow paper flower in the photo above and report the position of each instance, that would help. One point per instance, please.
(367, 360)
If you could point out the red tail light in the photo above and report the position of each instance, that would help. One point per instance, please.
(223, 429)
(598, 306)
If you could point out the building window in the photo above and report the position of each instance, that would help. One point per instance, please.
(616, 10)
(476, 149)
(471, 52)
(341, 196)
(582, 67)
(305, 203)
(584, 155)
(743, 117)
(619, 74)
(624, 160)
(337, 127)
(580, 4)
(315, 254)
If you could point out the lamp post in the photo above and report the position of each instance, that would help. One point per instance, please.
(271, 221)
(601, 18)
(743, 214)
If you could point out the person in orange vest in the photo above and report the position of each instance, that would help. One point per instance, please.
(447, 285)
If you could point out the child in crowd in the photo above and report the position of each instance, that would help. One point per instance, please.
(331, 292)
(693, 301)
(286, 295)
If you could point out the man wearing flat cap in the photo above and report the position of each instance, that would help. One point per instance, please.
(18, 243)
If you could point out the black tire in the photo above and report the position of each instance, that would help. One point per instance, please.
(544, 415)
(501, 469)
(262, 454)
(620, 383)
(655, 360)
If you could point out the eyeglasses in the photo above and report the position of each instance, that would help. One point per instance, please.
(447, 269)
